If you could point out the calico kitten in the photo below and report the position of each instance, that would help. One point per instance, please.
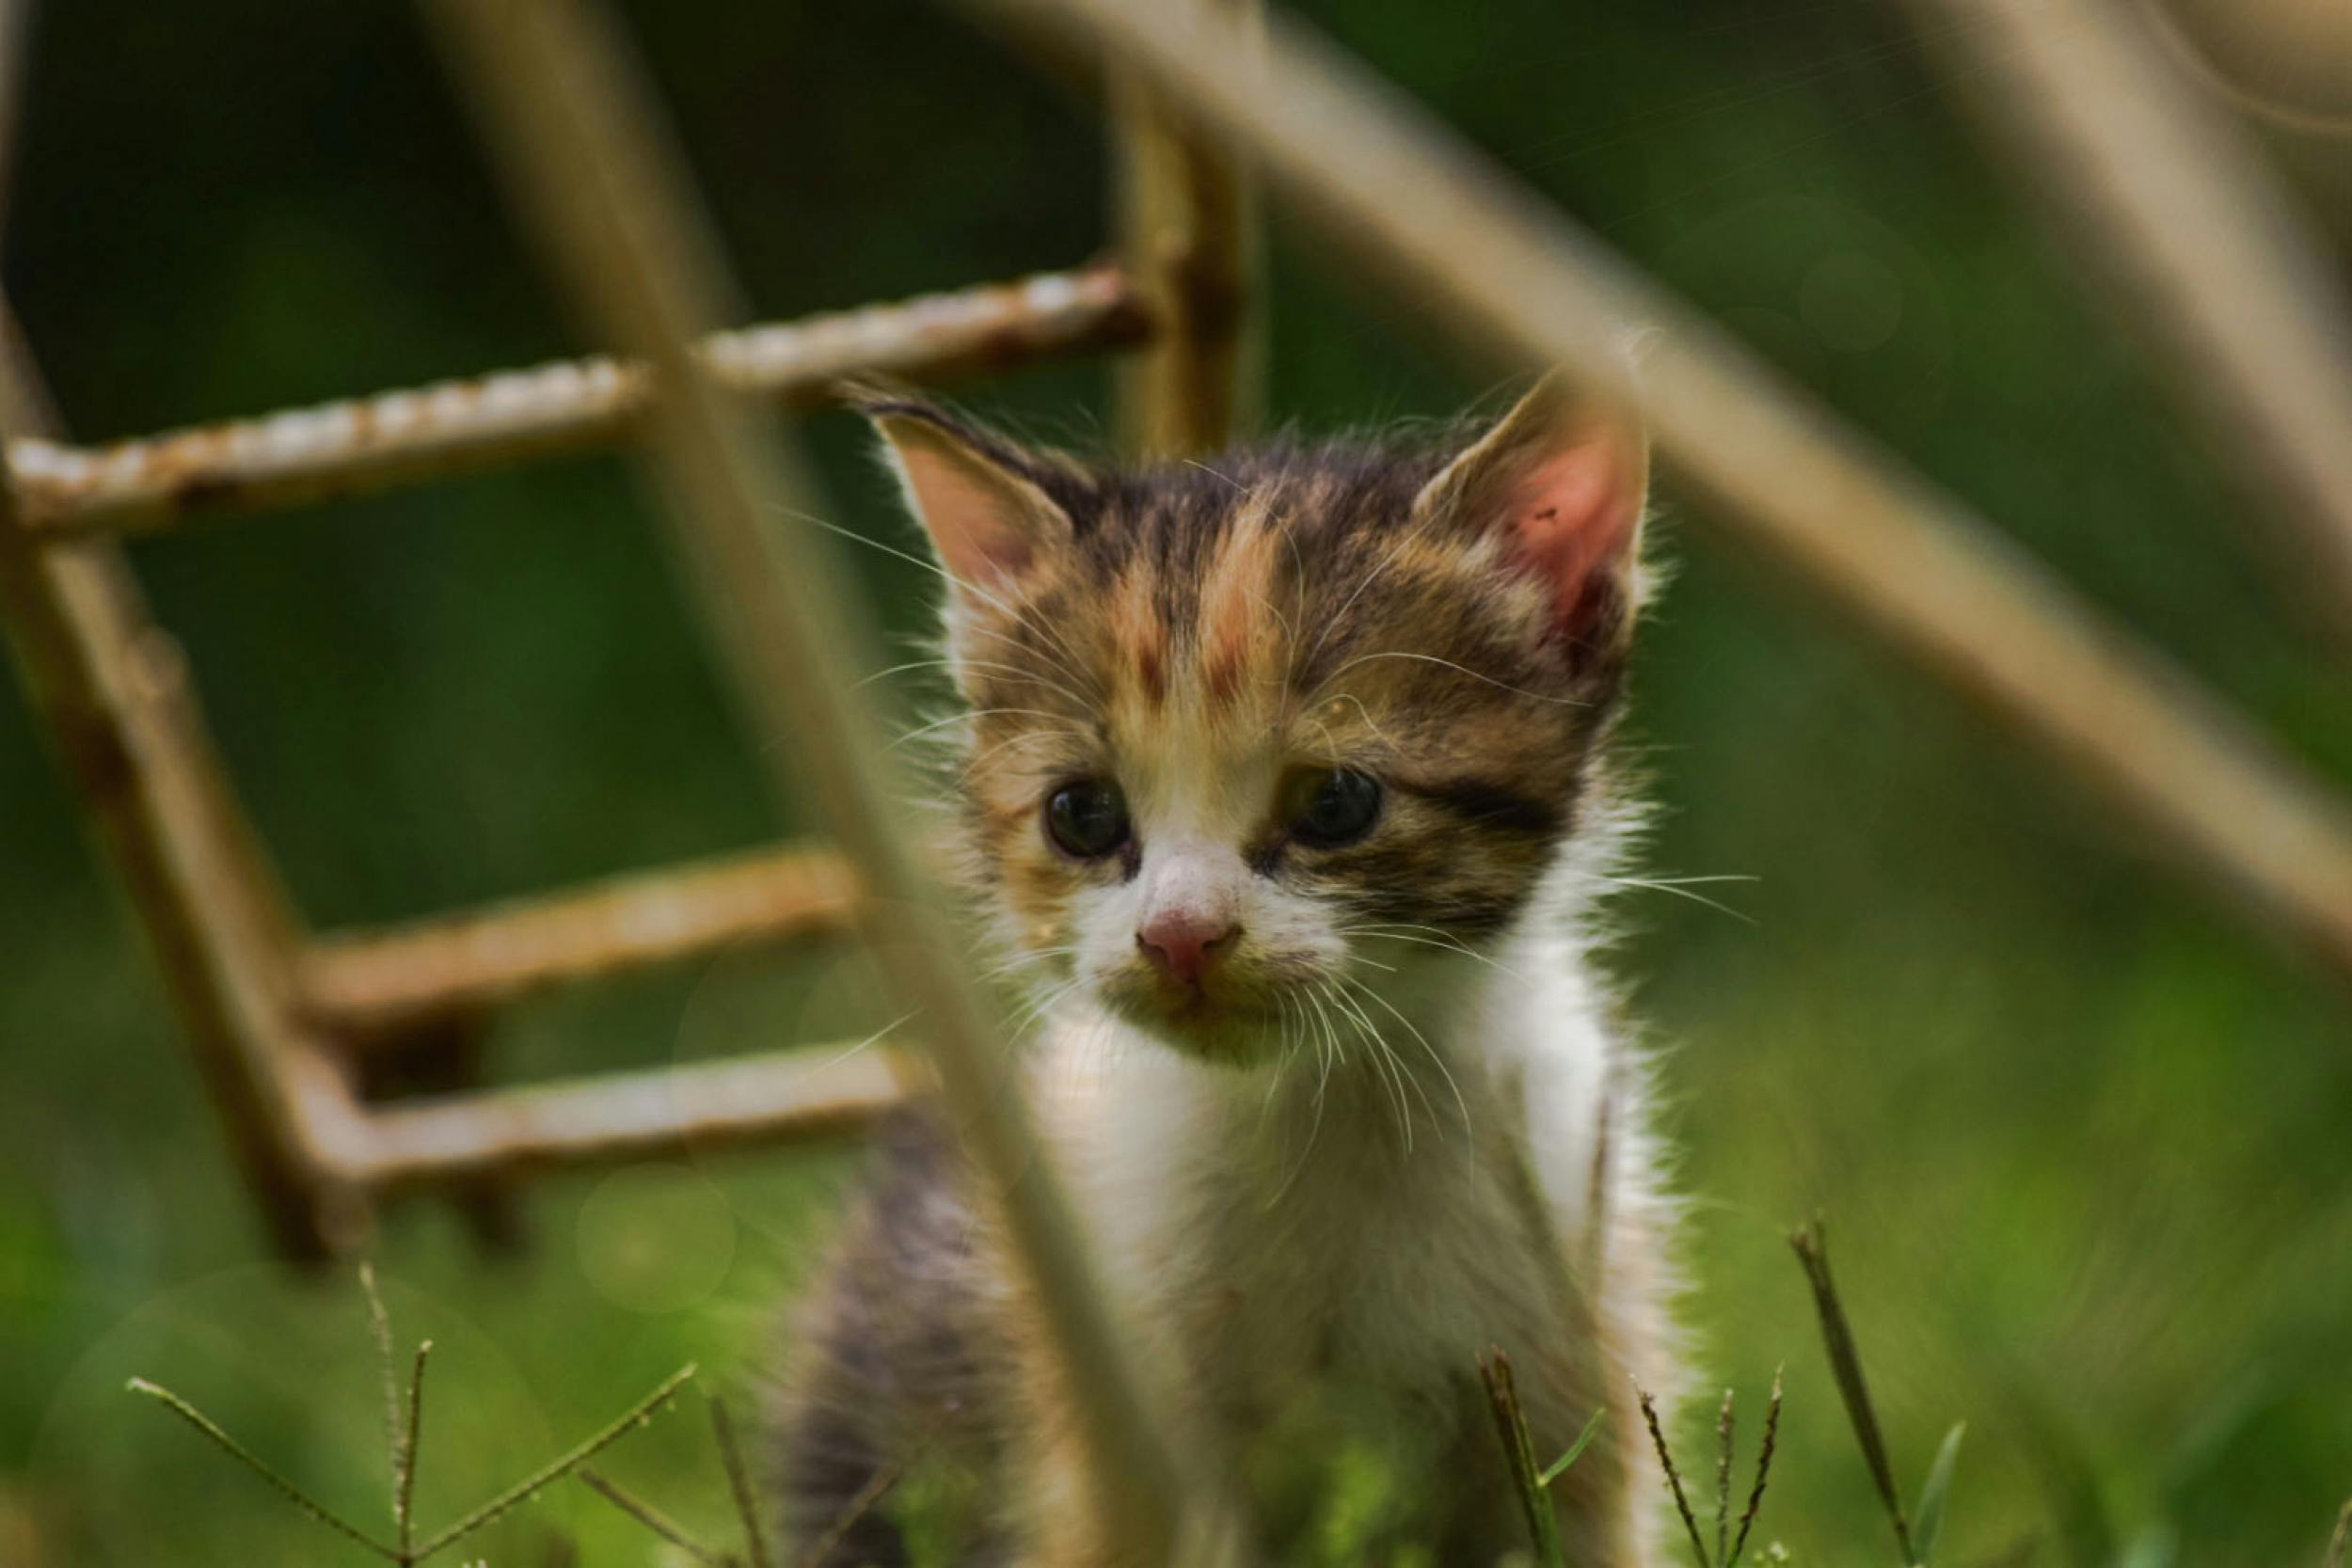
(1285, 777)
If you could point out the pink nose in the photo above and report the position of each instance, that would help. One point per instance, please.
(1181, 944)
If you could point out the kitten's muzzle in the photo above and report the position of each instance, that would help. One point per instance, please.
(1183, 944)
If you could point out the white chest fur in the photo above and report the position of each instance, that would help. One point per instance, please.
(1272, 1250)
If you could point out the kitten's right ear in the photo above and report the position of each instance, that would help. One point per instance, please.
(987, 516)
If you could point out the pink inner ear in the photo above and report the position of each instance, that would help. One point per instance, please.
(1574, 514)
(966, 515)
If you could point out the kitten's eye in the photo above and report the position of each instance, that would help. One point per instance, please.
(1332, 806)
(1087, 819)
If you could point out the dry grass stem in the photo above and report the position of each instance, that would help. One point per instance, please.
(1723, 1481)
(557, 1468)
(380, 1330)
(857, 1507)
(405, 1452)
(1674, 1477)
(252, 1462)
(740, 1484)
(653, 1519)
(1763, 1472)
(1811, 1244)
(2342, 1540)
(1503, 1399)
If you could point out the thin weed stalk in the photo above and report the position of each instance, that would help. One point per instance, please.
(404, 1454)
(1674, 1476)
(740, 1484)
(1763, 1471)
(653, 1519)
(1723, 1481)
(380, 1330)
(563, 1465)
(404, 1423)
(855, 1509)
(1811, 1244)
(1503, 1399)
(1727, 1546)
(254, 1462)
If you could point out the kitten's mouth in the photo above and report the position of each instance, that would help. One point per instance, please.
(1213, 1022)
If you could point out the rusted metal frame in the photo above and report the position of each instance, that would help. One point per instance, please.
(1190, 236)
(1458, 237)
(587, 162)
(370, 444)
(807, 1094)
(370, 986)
(112, 687)
(2212, 262)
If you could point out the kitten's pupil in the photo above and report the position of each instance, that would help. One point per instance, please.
(1333, 806)
(1087, 818)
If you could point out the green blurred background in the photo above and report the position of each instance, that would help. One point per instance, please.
(2080, 1130)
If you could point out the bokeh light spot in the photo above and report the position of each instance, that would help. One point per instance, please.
(656, 1237)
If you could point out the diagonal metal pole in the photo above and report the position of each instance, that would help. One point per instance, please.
(2179, 209)
(1454, 235)
(590, 167)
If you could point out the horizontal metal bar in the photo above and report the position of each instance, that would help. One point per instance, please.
(775, 1096)
(375, 984)
(354, 448)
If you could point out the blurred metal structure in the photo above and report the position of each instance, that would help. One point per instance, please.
(293, 1028)
(1447, 228)
(2202, 240)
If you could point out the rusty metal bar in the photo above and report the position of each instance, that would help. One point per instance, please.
(370, 985)
(356, 448)
(112, 689)
(807, 1094)
(2179, 208)
(1458, 237)
(1188, 235)
(588, 164)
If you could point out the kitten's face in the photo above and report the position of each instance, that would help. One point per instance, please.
(1248, 744)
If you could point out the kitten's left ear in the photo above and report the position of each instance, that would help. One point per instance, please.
(984, 501)
(1563, 482)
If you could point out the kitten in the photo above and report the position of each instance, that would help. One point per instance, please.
(1285, 777)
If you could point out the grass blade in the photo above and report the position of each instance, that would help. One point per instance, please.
(245, 1456)
(557, 1468)
(1929, 1516)
(1559, 1467)
(1811, 1244)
